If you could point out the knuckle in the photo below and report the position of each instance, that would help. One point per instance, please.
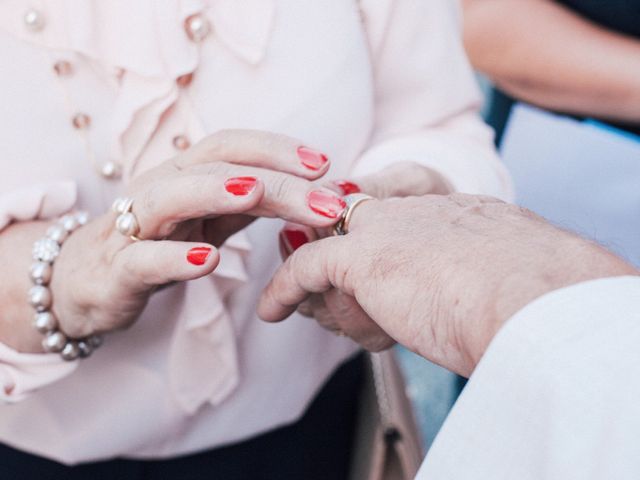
(216, 146)
(280, 187)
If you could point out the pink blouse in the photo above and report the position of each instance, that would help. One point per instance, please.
(369, 86)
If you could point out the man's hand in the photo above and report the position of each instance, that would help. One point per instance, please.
(439, 274)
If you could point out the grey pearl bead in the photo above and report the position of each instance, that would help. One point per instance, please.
(95, 341)
(57, 233)
(40, 297)
(69, 223)
(54, 342)
(85, 348)
(127, 224)
(71, 351)
(40, 273)
(45, 322)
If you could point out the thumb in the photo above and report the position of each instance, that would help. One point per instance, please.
(146, 264)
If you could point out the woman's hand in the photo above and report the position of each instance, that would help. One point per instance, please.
(185, 207)
(333, 309)
(439, 274)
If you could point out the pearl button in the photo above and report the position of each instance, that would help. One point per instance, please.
(181, 142)
(197, 27)
(81, 121)
(110, 170)
(184, 80)
(63, 68)
(34, 20)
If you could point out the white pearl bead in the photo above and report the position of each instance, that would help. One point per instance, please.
(54, 342)
(127, 224)
(40, 297)
(82, 217)
(45, 322)
(34, 20)
(121, 205)
(71, 351)
(45, 250)
(69, 223)
(118, 205)
(57, 233)
(197, 27)
(110, 170)
(40, 273)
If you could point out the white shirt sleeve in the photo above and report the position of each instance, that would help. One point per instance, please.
(427, 100)
(556, 395)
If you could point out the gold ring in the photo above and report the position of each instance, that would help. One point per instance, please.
(352, 201)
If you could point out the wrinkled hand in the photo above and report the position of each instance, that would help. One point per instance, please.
(333, 309)
(439, 274)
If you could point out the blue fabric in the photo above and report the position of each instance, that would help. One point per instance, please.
(620, 15)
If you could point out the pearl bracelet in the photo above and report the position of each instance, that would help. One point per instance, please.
(45, 252)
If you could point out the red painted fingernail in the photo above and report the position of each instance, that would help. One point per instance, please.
(241, 186)
(294, 239)
(198, 255)
(325, 203)
(312, 159)
(347, 187)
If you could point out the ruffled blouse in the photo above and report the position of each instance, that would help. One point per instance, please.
(370, 83)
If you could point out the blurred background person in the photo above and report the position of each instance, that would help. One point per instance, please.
(575, 156)
(580, 57)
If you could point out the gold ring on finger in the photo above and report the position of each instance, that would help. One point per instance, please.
(352, 201)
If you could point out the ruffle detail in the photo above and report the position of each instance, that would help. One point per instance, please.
(203, 359)
(145, 41)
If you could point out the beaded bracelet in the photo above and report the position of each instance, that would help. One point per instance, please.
(45, 252)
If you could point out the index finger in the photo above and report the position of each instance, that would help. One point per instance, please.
(257, 149)
(310, 269)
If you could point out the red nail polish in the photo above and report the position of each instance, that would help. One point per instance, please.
(198, 255)
(325, 203)
(241, 185)
(294, 239)
(347, 187)
(312, 159)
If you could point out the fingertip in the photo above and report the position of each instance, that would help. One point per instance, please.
(326, 205)
(270, 310)
(293, 236)
(205, 257)
(244, 186)
(314, 163)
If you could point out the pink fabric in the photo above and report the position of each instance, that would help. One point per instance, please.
(199, 369)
